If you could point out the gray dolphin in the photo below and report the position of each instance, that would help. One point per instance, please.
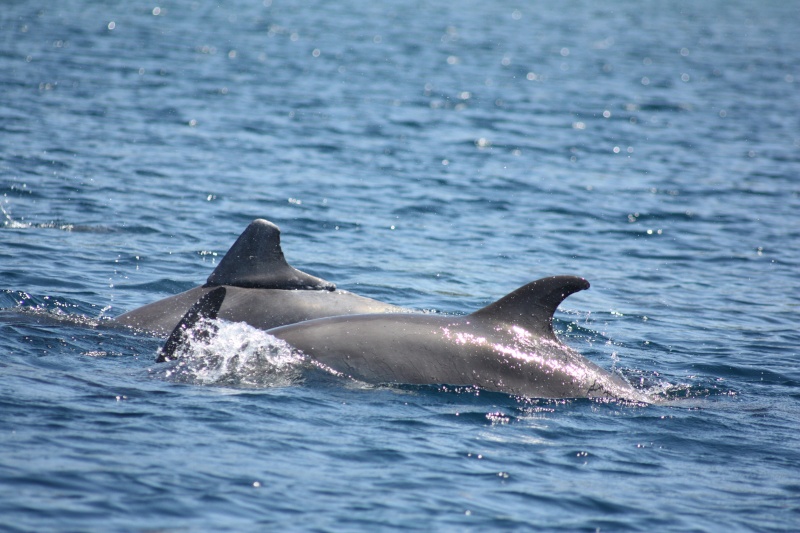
(508, 346)
(262, 289)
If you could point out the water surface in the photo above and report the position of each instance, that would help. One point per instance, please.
(437, 156)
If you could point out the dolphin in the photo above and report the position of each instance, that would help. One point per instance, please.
(508, 346)
(261, 289)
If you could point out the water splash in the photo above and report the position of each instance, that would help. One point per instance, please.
(235, 355)
(10, 222)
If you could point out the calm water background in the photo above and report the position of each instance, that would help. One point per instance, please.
(435, 155)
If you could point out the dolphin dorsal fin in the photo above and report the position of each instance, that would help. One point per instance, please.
(256, 261)
(207, 307)
(532, 306)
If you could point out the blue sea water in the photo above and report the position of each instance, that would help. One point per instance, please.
(435, 155)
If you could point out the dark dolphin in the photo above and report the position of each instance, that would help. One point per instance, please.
(508, 346)
(262, 289)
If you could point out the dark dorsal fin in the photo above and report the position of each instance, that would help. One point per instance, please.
(256, 261)
(532, 306)
(206, 307)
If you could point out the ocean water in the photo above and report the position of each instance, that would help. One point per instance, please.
(435, 155)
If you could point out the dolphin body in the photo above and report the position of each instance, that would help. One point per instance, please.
(261, 289)
(508, 346)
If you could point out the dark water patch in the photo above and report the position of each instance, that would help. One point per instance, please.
(746, 373)
(165, 286)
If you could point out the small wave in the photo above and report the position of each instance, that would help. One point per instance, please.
(235, 355)
(660, 390)
(51, 309)
(11, 223)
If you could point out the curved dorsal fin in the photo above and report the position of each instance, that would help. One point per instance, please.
(532, 306)
(256, 261)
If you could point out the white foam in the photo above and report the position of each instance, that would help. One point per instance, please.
(235, 354)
